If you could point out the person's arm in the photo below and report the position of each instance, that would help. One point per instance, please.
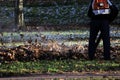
(113, 13)
(90, 12)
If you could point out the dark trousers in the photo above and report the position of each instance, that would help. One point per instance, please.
(103, 27)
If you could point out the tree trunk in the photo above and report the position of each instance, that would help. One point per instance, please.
(16, 12)
(19, 16)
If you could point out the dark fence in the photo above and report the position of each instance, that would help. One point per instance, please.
(7, 14)
(7, 3)
(54, 12)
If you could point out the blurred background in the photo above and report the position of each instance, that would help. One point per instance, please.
(34, 13)
(61, 20)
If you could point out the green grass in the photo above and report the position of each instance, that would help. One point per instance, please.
(83, 31)
(58, 66)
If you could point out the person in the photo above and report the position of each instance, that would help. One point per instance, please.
(100, 23)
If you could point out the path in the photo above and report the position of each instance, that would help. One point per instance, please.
(87, 76)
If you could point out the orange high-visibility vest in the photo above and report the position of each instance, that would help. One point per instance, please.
(100, 7)
(100, 4)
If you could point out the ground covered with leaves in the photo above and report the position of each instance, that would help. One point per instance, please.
(55, 52)
(52, 51)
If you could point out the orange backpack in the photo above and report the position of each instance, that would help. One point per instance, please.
(100, 7)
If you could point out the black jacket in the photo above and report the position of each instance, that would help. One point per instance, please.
(110, 17)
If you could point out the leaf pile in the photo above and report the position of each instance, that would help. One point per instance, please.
(50, 51)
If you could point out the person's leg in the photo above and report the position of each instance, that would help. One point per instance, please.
(106, 39)
(94, 29)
